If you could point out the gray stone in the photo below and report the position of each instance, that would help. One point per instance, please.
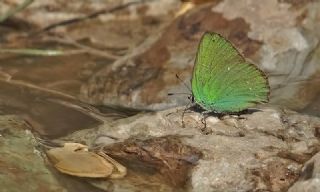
(264, 150)
(309, 180)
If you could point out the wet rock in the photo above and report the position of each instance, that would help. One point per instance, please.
(153, 164)
(22, 166)
(264, 149)
(45, 110)
(166, 156)
(119, 28)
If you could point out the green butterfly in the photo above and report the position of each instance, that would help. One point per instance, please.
(223, 81)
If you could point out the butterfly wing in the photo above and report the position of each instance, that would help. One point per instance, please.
(222, 81)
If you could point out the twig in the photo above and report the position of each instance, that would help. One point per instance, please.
(52, 92)
(85, 48)
(11, 12)
(41, 52)
(90, 16)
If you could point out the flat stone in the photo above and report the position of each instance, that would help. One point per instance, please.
(262, 150)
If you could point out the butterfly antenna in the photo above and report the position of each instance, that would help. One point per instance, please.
(177, 76)
(170, 94)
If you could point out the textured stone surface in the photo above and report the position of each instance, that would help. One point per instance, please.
(280, 37)
(264, 150)
(134, 54)
(136, 50)
(309, 180)
(22, 166)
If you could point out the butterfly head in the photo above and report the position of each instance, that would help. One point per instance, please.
(191, 98)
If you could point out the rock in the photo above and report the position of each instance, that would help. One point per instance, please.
(76, 9)
(135, 62)
(280, 37)
(22, 166)
(45, 110)
(309, 180)
(143, 47)
(264, 149)
(112, 34)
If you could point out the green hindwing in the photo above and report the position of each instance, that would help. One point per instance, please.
(223, 81)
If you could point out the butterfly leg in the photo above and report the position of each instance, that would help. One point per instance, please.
(184, 111)
(237, 115)
(205, 115)
(182, 116)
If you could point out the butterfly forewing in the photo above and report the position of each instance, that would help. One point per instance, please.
(222, 80)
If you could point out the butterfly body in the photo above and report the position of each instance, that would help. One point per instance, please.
(223, 81)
